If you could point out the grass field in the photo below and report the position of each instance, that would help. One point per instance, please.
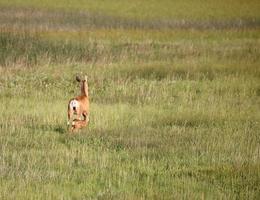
(175, 99)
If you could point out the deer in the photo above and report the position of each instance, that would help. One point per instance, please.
(78, 124)
(78, 107)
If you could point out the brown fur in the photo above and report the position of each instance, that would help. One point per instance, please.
(82, 110)
(78, 124)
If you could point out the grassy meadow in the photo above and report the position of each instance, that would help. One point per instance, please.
(174, 90)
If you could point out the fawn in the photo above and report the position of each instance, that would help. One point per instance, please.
(79, 107)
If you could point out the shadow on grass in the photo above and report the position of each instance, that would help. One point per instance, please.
(58, 128)
(115, 139)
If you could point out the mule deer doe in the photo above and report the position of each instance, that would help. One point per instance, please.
(79, 107)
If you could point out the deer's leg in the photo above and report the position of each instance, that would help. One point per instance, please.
(73, 128)
(85, 117)
(77, 124)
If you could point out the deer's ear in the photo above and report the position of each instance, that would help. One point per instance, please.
(78, 78)
(86, 78)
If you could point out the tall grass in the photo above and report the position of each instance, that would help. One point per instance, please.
(30, 49)
(46, 19)
(174, 108)
(147, 138)
(141, 9)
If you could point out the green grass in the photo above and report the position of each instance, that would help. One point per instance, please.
(173, 137)
(141, 9)
(31, 49)
(174, 109)
(72, 20)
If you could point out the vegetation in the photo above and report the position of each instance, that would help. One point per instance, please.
(166, 9)
(174, 92)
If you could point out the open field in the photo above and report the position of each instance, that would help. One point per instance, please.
(175, 99)
(165, 9)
